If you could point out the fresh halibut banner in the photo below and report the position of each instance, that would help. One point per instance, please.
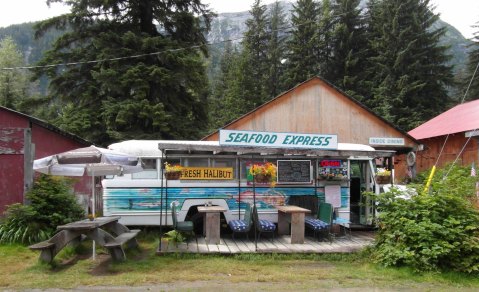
(207, 173)
(278, 139)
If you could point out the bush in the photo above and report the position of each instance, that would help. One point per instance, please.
(54, 202)
(51, 204)
(435, 231)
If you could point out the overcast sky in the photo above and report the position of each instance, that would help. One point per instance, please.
(459, 13)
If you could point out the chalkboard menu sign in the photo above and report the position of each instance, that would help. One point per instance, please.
(294, 171)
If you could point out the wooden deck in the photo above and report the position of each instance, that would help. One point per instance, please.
(280, 244)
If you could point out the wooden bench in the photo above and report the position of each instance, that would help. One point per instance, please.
(51, 247)
(47, 249)
(115, 246)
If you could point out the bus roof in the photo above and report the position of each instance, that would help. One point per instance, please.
(155, 148)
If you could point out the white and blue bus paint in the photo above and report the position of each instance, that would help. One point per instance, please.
(141, 198)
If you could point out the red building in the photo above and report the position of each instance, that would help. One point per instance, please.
(22, 140)
(450, 135)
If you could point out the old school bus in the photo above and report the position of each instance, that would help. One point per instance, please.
(217, 174)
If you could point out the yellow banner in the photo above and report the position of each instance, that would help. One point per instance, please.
(207, 173)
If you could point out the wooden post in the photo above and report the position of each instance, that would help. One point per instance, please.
(28, 155)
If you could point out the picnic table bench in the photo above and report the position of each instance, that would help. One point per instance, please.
(94, 229)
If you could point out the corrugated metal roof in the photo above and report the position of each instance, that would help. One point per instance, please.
(461, 118)
(49, 126)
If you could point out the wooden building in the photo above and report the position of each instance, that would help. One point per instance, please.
(23, 139)
(450, 135)
(317, 106)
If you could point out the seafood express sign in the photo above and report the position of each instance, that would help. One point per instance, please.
(278, 140)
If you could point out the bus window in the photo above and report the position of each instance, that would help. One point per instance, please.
(224, 162)
(150, 170)
(195, 162)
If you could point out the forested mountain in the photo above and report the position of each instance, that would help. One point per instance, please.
(231, 26)
(226, 26)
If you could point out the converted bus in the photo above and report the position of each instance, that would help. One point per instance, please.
(219, 175)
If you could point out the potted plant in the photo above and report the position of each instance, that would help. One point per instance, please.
(173, 171)
(383, 176)
(264, 173)
(175, 237)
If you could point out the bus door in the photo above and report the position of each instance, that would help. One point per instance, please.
(361, 180)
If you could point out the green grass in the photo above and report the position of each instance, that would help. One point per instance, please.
(20, 269)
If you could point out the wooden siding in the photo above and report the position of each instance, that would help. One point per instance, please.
(427, 158)
(11, 140)
(17, 134)
(316, 107)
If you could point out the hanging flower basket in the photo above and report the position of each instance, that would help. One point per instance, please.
(172, 171)
(383, 176)
(264, 173)
(172, 175)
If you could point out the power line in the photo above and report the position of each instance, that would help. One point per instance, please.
(286, 28)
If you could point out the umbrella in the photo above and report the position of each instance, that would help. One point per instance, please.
(92, 161)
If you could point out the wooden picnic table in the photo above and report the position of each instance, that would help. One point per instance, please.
(293, 215)
(211, 223)
(105, 231)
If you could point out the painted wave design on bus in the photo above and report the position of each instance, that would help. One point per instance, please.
(149, 199)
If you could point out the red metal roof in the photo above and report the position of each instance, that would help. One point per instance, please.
(461, 118)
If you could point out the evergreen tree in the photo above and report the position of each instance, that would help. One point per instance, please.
(243, 86)
(13, 82)
(160, 93)
(302, 59)
(219, 113)
(255, 53)
(240, 95)
(348, 46)
(276, 51)
(408, 75)
(325, 27)
(473, 68)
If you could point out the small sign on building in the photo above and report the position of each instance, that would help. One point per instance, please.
(386, 141)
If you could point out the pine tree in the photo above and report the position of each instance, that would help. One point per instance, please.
(160, 93)
(302, 59)
(348, 44)
(219, 113)
(407, 72)
(473, 68)
(325, 46)
(276, 51)
(13, 82)
(255, 53)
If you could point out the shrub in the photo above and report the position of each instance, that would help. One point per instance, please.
(54, 202)
(51, 204)
(435, 231)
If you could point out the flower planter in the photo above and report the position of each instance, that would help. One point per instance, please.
(172, 175)
(383, 179)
